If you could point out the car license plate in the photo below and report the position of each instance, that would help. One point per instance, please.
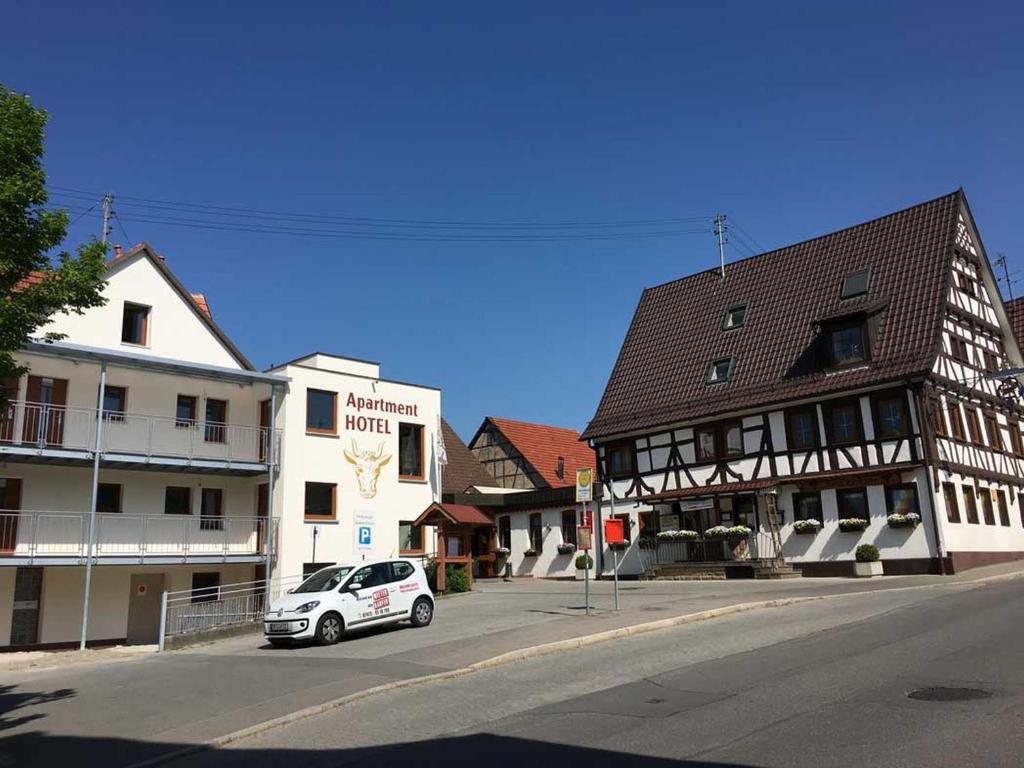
(279, 626)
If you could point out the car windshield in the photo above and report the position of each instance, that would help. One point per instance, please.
(325, 580)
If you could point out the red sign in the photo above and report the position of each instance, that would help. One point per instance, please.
(613, 533)
(588, 518)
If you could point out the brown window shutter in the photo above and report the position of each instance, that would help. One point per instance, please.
(12, 494)
(34, 389)
(60, 392)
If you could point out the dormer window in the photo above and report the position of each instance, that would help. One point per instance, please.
(135, 324)
(847, 343)
(735, 317)
(856, 284)
(720, 370)
(560, 467)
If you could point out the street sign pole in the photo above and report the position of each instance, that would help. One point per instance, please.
(615, 554)
(586, 571)
(584, 494)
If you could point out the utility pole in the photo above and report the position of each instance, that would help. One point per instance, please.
(1001, 262)
(720, 233)
(108, 202)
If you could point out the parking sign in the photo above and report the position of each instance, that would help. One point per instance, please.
(363, 531)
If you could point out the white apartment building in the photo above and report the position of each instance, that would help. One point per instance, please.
(178, 458)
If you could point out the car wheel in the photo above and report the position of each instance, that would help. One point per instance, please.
(422, 612)
(328, 629)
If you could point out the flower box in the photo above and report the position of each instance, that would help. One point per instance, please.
(530, 553)
(566, 549)
(852, 524)
(806, 527)
(716, 532)
(867, 570)
(909, 520)
(677, 535)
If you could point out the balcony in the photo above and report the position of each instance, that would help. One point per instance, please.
(61, 538)
(58, 433)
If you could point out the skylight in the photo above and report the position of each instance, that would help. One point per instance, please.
(735, 317)
(856, 284)
(719, 370)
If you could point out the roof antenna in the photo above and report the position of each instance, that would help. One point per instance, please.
(720, 229)
(1001, 262)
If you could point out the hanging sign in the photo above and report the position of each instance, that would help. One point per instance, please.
(584, 539)
(584, 485)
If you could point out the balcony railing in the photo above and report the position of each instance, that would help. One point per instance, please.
(26, 534)
(42, 426)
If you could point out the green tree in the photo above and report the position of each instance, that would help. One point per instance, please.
(34, 285)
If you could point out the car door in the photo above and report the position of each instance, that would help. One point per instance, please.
(371, 603)
(406, 586)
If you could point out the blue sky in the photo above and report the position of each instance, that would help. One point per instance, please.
(793, 119)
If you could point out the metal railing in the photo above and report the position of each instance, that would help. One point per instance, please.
(46, 426)
(65, 534)
(192, 611)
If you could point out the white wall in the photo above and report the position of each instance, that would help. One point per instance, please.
(175, 329)
(979, 537)
(549, 564)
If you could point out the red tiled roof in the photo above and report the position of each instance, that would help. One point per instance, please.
(203, 305)
(1015, 312)
(457, 513)
(542, 445)
(660, 375)
(35, 277)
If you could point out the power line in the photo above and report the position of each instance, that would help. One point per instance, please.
(748, 236)
(117, 218)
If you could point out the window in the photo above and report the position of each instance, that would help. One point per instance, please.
(973, 425)
(995, 437)
(890, 415)
(402, 570)
(211, 509)
(216, 420)
(855, 284)
(807, 506)
(986, 506)
(410, 537)
(733, 434)
(135, 324)
(569, 526)
(536, 533)
(735, 317)
(375, 575)
(846, 344)
(705, 443)
(802, 429)
(938, 419)
(505, 532)
(844, 422)
(626, 533)
(185, 411)
(992, 362)
(108, 498)
(901, 499)
(177, 500)
(719, 371)
(1020, 506)
(1004, 511)
(321, 412)
(965, 283)
(618, 459)
(321, 499)
(956, 420)
(410, 451)
(744, 512)
(114, 399)
(971, 505)
(958, 350)
(853, 503)
(949, 495)
(205, 587)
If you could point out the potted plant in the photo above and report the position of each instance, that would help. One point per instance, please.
(583, 562)
(566, 548)
(681, 535)
(738, 537)
(899, 520)
(806, 527)
(867, 564)
(716, 532)
(852, 524)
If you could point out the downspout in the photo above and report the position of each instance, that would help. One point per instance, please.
(927, 445)
(92, 506)
(271, 461)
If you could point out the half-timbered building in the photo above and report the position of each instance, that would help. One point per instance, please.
(832, 393)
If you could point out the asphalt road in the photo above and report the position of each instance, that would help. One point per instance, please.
(819, 684)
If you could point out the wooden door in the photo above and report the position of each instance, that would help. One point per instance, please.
(264, 428)
(44, 410)
(10, 503)
(7, 415)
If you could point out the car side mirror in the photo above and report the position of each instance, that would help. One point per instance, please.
(354, 586)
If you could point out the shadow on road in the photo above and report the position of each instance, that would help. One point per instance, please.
(38, 749)
(11, 700)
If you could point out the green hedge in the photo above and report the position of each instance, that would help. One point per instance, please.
(455, 577)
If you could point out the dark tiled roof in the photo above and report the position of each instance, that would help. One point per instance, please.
(659, 377)
(542, 445)
(462, 470)
(1015, 313)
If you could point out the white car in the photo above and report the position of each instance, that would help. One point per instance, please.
(342, 597)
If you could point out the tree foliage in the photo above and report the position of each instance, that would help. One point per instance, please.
(34, 284)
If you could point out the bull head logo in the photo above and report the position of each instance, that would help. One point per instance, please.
(367, 464)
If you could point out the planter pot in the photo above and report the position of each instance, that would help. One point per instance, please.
(566, 550)
(852, 528)
(808, 532)
(740, 548)
(867, 570)
(530, 553)
(908, 524)
(581, 575)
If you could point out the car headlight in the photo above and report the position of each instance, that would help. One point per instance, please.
(307, 607)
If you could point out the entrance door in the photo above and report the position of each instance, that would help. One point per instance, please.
(10, 504)
(44, 410)
(483, 551)
(7, 414)
(28, 589)
(144, 608)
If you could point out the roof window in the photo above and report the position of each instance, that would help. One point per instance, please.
(720, 370)
(735, 317)
(856, 284)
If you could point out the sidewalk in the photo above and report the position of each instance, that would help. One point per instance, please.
(209, 691)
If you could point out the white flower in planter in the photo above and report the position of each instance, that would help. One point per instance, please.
(807, 526)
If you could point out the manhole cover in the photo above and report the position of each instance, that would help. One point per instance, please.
(949, 694)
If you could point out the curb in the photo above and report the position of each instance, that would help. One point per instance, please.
(537, 651)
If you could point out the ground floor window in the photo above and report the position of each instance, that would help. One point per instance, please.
(1004, 511)
(625, 526)
(569, 526)
(505, 532)
(901, 499)
(536, 531)
(320, 501)
(807, 506)
(986, 506)
(853, 504)
(971, 505)
(952, 503)
(205, 587)
(744, 512)
(410, 537)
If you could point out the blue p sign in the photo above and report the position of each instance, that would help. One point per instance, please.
(364, 534)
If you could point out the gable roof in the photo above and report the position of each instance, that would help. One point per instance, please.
(202, 311)
(1015, 314)
(541, 445)
(462, 514)
(676, 332)
(462, 470)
